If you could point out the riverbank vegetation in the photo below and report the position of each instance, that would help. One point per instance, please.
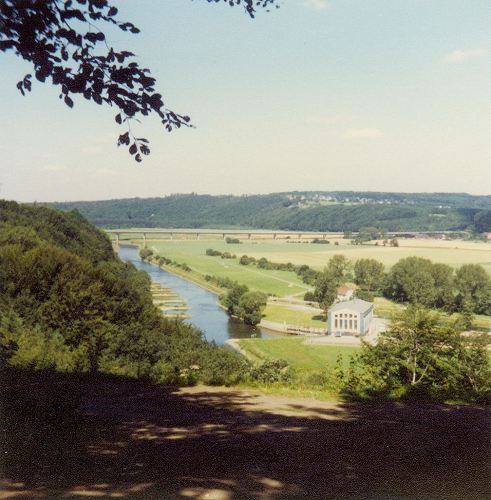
(68, 303)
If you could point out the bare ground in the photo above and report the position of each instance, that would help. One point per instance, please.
(133, 440)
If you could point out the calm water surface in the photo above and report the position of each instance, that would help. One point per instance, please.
(203, 306)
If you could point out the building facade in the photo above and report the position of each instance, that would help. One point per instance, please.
(351, 317)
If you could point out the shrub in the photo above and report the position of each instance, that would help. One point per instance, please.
(213, 253)
(271, 371)
(145, 253)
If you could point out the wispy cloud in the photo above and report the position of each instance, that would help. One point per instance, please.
(316, 4)
(458, 56)
(364, 133)
(53, 168)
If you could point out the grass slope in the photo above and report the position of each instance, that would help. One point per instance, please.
(300, 356)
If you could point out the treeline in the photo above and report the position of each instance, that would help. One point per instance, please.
(294, 211)
(67, 303)
(413, 280)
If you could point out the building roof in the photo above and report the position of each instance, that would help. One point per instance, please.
(343, 290)
(357, 305)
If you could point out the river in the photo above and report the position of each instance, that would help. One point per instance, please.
(204, 310)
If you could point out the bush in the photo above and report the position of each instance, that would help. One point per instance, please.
(245, 260)
(365, 295)
(213, 253)
(309, 297)
(271, 371)
(233, 241)
(145, 253)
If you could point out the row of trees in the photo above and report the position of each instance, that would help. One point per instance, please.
(413, 280)
(306, 273)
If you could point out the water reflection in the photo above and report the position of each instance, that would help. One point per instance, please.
(204, 310)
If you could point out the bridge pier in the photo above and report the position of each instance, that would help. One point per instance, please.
(249, 236)
(197, 236)
(117, 239)
(274, 236)
(144, 240)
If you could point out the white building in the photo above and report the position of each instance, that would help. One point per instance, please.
(350, 317)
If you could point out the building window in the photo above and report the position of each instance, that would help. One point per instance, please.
(351, 324)
(356, 324)
(336, 323)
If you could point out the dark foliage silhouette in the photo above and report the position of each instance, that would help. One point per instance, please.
(67, 47)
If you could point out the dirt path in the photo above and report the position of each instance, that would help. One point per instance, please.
(141, 441)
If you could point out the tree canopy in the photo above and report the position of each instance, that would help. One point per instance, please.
(421, 355)
(65, 42)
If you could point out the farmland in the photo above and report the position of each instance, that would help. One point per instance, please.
(452, 252)
(281, 283)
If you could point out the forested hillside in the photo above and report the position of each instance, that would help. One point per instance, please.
(68, 303)
(316, 211)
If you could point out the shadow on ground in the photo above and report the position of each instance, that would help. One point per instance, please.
(126, 439)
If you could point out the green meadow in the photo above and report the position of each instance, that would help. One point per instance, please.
(292, 315)
(302, 357)
(280, 283)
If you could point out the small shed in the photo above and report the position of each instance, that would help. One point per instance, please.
(351, 317)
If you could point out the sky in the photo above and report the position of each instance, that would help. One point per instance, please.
(372, 95)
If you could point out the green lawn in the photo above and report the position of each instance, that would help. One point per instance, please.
(280, 313)
(280, 283)
(302, 357)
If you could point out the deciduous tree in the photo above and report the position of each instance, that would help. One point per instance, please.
(64, 40)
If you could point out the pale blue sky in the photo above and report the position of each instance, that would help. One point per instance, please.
(382, 95)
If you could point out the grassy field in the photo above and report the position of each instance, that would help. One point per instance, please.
(280, 313)
(300, 356)
(280, 283)
(454, 253)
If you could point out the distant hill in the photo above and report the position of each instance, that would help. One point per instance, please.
(309, 211)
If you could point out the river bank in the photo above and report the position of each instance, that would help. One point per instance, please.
(203, 309)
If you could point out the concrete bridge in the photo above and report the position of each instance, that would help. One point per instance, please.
(222, 233)
(151, 233)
